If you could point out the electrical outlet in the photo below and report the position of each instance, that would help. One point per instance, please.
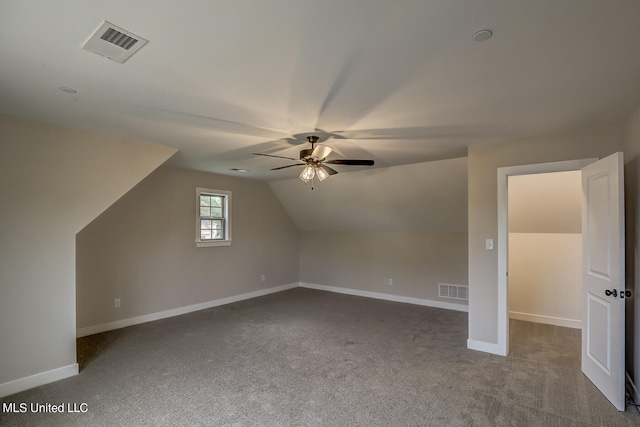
(116, 303)
(263, 278)
(388, 281)
(489, 244)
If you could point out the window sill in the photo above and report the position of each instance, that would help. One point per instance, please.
(214, 243)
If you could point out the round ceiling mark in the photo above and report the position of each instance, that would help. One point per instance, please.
(68, 90)
(482, 35)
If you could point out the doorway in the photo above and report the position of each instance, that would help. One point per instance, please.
(503, 234)
(602, 355)
(545, 248)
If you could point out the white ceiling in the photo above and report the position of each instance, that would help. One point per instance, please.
(220, 80)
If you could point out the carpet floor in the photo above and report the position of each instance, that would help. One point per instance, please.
(309, 358)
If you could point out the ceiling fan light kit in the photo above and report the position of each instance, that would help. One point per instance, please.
(312, 171)
(313, 160)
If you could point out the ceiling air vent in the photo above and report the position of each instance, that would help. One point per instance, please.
(114, 42)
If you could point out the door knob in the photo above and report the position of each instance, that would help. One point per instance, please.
(625, 294)
(612, 292)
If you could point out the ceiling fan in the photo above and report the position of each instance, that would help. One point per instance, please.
(315, 161)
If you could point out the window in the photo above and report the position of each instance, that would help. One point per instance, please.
(213, 217)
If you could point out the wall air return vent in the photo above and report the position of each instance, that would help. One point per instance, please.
(114, 42)
(453, 291)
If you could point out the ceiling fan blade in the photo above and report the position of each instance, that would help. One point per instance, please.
(321, 152)
(329, 170)
(350, 162)
(288, 166)
(271, 155)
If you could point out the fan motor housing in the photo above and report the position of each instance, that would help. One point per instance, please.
(305, 153)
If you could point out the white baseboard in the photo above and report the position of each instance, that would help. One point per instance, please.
(90, 330)
(37, 380)
(388, 297)
(487, 347)
(547, 320)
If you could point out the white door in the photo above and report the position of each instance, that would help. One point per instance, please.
(603, 277)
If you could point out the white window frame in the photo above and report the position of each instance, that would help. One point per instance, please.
(226, 215)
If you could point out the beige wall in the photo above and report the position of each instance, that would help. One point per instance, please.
(53, 181)
(632, 136)
(407, 223)
(484, 160)
(545, 280)
(142, 248)
(416, 261)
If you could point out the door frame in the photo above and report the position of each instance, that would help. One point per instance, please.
(503, 234)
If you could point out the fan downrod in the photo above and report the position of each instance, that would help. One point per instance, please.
(312, 139)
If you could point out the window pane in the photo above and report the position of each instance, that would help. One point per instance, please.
(212, 216)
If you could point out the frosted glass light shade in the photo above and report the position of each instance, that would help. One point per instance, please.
(321, 173)
(307, 173)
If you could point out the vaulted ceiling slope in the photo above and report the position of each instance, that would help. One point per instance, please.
(397, 81)
(428, 197)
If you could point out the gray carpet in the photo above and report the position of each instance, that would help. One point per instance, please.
(310, 358)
